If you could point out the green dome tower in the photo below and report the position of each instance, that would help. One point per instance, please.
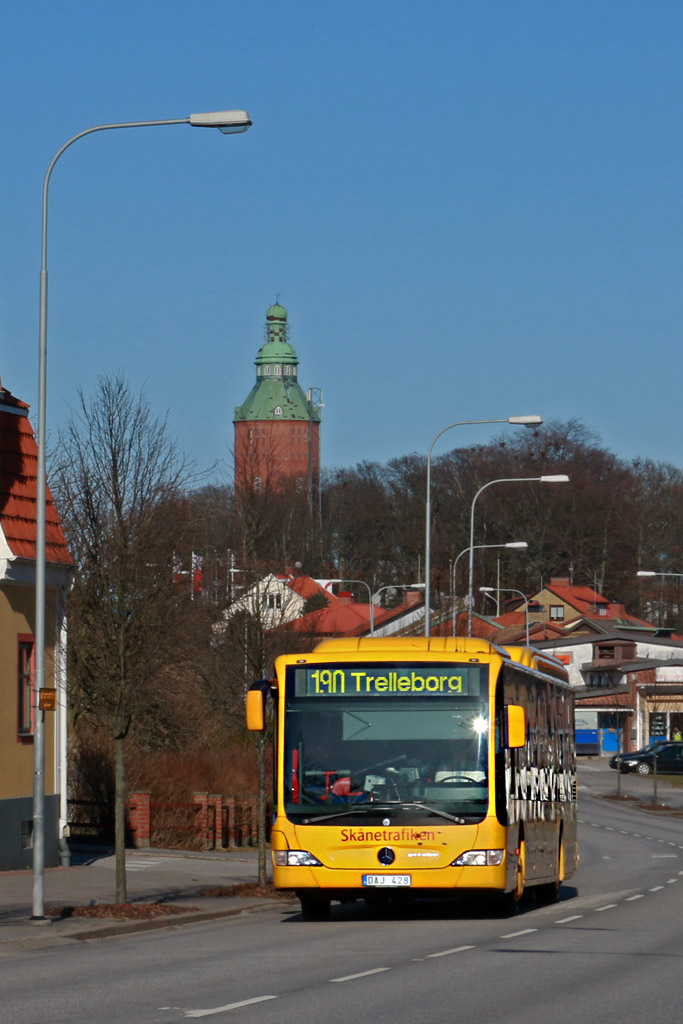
(277, 428)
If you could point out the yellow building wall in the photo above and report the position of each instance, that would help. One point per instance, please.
(17, 617)
(546, 599)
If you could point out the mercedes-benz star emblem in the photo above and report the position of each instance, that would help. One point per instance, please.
(386, 856)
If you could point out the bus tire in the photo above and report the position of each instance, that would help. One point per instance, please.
(315, 906)
(511, 902)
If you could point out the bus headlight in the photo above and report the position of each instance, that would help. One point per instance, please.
(479, 859)
(295, 858)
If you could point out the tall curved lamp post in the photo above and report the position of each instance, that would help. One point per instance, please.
(229, 122)
(524, 421)
(519, 545)
(511, 590)
(559, 478)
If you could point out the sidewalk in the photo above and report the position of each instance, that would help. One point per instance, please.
(597, 778)
(153, 876)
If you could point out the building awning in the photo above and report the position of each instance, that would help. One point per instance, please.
(663, 690)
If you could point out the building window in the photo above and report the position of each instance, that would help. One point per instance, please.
(26, 685)
(602, 610)
(26, 834)
(557, 612)
(274, 600)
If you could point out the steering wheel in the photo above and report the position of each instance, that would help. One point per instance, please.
(450, 779)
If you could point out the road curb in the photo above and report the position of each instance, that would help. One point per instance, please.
(174, 921)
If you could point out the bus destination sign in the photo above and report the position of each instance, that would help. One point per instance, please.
(357, 680)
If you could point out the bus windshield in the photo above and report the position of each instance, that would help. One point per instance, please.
(417, 752)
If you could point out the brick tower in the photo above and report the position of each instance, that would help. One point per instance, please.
(277, 429)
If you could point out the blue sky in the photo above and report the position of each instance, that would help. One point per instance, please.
(470, 210)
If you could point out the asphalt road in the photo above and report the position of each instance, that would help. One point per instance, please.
(610, 951)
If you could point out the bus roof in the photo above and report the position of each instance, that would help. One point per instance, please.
(529, 657)
(410, 645)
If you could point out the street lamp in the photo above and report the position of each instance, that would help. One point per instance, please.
(229, 122)
(524, 421)
(392, 586)
(648, 572)
(511, 590)
(520, 545)
(560, 478)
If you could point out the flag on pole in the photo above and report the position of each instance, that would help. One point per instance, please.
(197, 562)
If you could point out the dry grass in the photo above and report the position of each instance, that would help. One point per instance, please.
(248, 889)
(120, 911)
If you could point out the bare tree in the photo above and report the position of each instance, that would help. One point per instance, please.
(115, 471)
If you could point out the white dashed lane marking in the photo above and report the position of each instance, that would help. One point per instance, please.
(363, 974)
(448, 952)
(228, 1006)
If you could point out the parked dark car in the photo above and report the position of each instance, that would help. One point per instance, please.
(617, 758)
(669, 760)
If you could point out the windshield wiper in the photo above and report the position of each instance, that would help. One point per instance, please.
(426, 807)
(339, 814)
(383, 805)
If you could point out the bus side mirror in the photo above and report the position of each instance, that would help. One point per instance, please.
(515, 726)
(256, 705)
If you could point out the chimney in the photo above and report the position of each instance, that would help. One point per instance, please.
(559, 581)
(344, 597)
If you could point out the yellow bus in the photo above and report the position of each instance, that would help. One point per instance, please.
(423, 766)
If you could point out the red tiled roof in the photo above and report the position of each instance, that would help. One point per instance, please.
(483, 628)
(18, 471)
(343, 618)
(584, 599)
(306, 586)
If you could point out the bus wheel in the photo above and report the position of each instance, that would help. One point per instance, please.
(315, 906)
(511, 901)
